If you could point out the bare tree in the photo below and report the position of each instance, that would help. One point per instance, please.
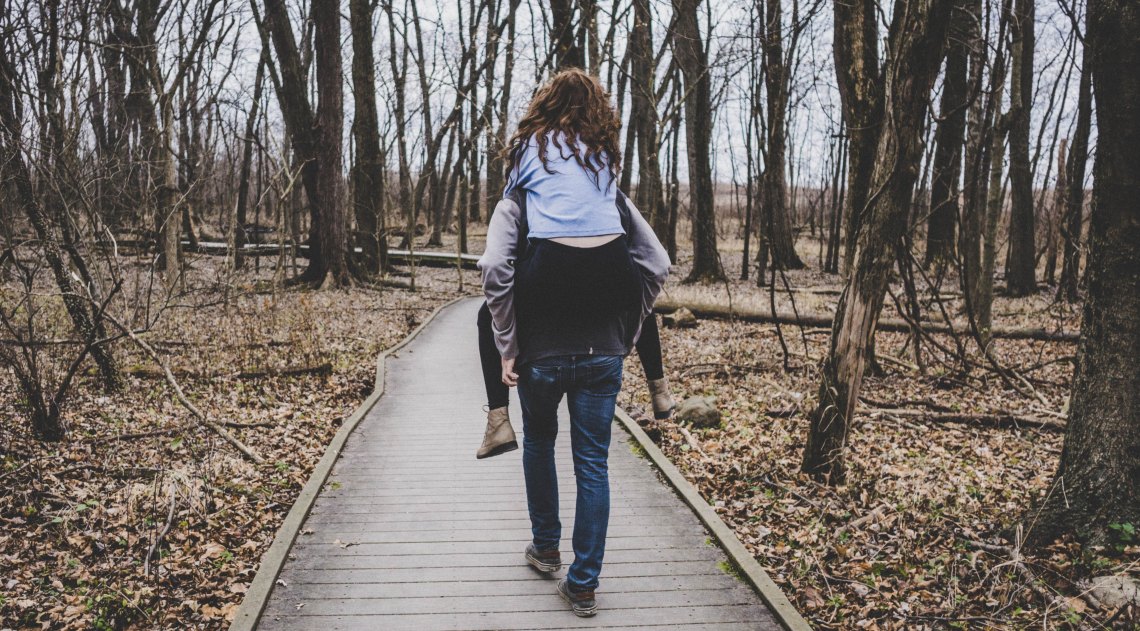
(316, 137)
(368, 166)
(1073, 217)
(777, 227)
(915, 42)
(1020, 275)
(692, 58)
(1098, 480)
(949, 139)
(857, 71)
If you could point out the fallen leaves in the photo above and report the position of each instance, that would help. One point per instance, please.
(887, 551)
(77, 519)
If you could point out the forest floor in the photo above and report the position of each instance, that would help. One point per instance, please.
(145, 519)
(926, 532)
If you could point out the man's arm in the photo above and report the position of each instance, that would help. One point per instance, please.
(498, 271)
(648, 253)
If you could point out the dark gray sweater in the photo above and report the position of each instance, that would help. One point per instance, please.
(498, 270)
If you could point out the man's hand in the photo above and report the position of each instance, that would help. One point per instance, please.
(509, 377)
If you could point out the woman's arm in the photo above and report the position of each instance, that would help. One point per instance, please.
(498, 270)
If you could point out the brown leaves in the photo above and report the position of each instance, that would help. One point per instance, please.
(78, 519)
(886, 551)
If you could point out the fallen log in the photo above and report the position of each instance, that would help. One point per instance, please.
(716, 311)
(1002, 420)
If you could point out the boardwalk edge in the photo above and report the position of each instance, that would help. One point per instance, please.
(257, 596)
(769, 592)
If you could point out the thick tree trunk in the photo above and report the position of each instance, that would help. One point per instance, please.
(692, 58)
(777, 227)
(1072, 221)
(296, 111)
(1020, 276)
(917, 39)
(331, 225)
(1098, 480)
(856, 52)
(948, 140)
(367, 171)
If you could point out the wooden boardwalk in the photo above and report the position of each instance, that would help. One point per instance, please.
(411, 532)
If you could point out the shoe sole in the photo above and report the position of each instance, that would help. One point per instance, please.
(545, 568)
(581, 613)
(501, 449)
(664, 416)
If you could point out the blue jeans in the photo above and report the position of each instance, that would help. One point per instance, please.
(591, 384)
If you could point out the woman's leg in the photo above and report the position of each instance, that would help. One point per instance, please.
(649, 349)
(499, 436)
(497, 393)
(591, 398)
(649, 352)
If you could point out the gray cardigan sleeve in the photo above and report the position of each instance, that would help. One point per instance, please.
(650, 256)
(497, 266)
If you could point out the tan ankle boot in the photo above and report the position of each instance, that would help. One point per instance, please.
(499, 437)
(662, 397)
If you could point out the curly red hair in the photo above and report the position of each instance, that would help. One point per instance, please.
(573, 104)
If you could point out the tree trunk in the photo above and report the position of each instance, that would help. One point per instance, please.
(693, 60)
(1020, 276)
(948, 140)
(331, 225)
(649, 198)
(777, 226)
(1071, 223)
(835, 226)
(1058, 212)
(994, 203)
(917, 39)
(1098, 479)
(565, 49)
(857, 71)
(975, 160)
(367, 172)
(316, 139)
(495, 175)
(238, 238)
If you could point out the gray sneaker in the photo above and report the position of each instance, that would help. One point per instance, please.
(545, 561)
(581, 603)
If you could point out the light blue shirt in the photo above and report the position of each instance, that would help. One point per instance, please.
(567, 202)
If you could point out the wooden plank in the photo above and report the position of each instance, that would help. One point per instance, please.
(528, 585)
(323, 546)
(397, 558)
(550, 602)
(652, 618)
(431, 575)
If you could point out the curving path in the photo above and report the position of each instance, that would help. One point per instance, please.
(411, 532)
